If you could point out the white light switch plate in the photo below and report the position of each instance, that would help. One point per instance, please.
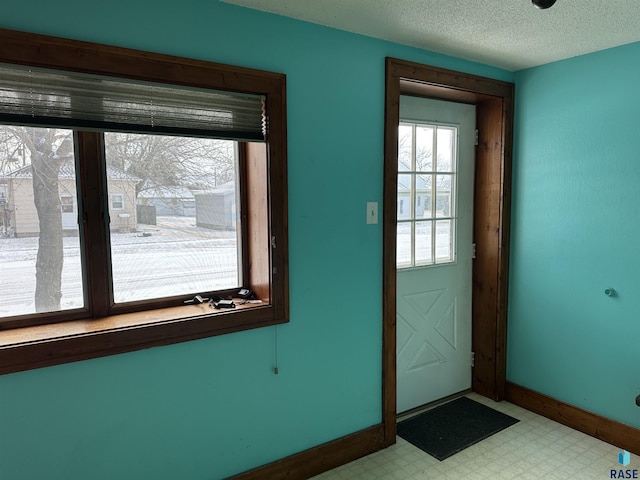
(372, 212)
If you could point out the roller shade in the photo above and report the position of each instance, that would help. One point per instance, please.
(55, 98)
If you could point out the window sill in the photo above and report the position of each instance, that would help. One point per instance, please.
(53, 344)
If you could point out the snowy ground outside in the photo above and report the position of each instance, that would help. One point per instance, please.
(423, 244)
(174, 257)
(171, 258)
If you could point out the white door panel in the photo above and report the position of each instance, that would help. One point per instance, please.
(434, 302)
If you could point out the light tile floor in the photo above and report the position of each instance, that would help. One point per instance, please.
(534, 448)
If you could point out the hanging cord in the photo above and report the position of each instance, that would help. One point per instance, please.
(275, 348)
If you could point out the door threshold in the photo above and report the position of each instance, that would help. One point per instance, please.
(429, 406)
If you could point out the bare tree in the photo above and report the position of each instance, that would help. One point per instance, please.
(423, 153)
(47, 150)
(47, 157)
(171, 161)
(13, 154)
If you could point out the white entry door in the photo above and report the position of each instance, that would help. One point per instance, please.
(434, 249)
(69, 212)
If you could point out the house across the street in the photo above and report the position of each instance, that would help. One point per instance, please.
(169, 200)
(20, 215)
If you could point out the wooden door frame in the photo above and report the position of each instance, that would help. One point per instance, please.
(492, 198)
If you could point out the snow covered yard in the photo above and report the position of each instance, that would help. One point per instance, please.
(174, 257)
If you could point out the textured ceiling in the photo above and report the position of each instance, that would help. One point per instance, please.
(511, 34)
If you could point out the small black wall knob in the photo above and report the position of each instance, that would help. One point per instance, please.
(638, 400)
(542, 4)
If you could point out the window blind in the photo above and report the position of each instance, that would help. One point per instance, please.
(55, 98)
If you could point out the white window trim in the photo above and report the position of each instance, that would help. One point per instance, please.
(112, 199)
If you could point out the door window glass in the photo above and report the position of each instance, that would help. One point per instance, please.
(426, 230)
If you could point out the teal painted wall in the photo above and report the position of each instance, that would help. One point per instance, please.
(575, 232)
(211, 408)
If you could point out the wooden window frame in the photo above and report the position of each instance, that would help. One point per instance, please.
(263, 172)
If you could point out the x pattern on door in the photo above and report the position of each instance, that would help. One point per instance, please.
(437, 322)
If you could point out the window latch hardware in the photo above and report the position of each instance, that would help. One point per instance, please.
(223, 303)
(196, 300)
